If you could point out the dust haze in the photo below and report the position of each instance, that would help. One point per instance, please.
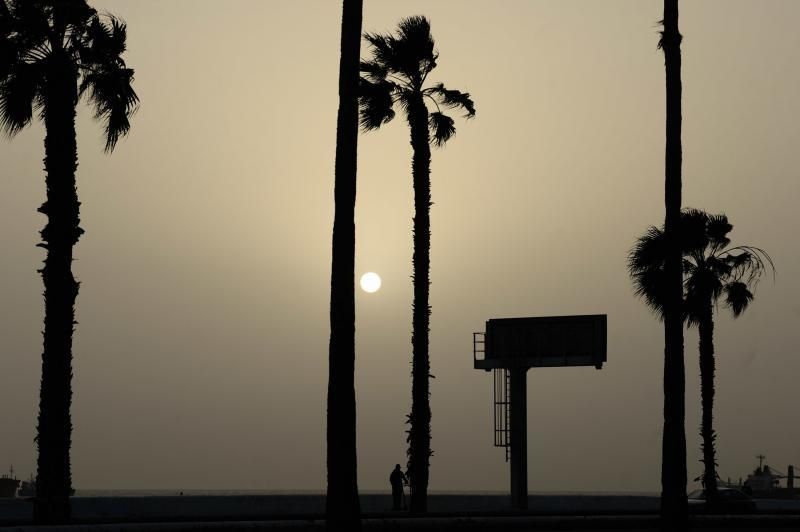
(201, 350)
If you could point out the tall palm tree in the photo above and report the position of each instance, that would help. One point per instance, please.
(342, 504)
(53, 53)
(712, 270)
(674, 506)
(396, 73)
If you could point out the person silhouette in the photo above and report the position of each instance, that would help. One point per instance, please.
(397, 479)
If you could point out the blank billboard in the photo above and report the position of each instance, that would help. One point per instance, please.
(545, 342)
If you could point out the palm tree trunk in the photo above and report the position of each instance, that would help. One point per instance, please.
(673, 470)
(343, 511)
(706, 328)
(54, 431)
(419, 434)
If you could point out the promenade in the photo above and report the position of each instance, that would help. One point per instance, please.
(447, 512)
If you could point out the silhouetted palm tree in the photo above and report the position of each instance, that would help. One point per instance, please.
(53, 52)
(674, 509)
(711, 270)
(342, 504)
(396, 73)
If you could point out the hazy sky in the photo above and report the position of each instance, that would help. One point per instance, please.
(201, 353)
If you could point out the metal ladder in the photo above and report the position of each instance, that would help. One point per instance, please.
(502, 396)
(502, 410)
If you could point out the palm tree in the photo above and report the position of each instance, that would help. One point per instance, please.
(53, 53)
(711, 269)
(674, 506)
(342, 504)
(397, 73)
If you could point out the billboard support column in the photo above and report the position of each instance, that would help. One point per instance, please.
(519, 437)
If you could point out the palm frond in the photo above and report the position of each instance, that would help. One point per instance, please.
(8, 51)
(692, 232)
(105, 41)
(110, 92)
(648, 284)
(717, 228)
(689, 266)
(442, 128)
(375, 103)
(737, 297)
(374, 71)
(749, 264)
(405, 99)
(117, 44)
(416, 31)
(451, 99)
(19, 95)
(693, 308)
(382, 47)
(74, 13)
(409, 54)
(736, 261)
(415, 46)
(646, 268)
(718, 265)
(648, 252)
(31, 21)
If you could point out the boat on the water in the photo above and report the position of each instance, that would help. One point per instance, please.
(767, 482)
(8, 484)
(27, 488)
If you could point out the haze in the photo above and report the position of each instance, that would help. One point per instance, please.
(201, 352)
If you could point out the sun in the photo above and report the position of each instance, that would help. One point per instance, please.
(370, 282)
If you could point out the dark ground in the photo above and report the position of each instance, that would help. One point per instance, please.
(529, 523)
(561, 512)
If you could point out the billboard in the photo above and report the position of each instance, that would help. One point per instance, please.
(552, 341)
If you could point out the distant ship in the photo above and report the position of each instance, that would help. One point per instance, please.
(765, 482)
(27, 488)
(8, 484)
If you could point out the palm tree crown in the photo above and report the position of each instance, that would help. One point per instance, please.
(40, 39)
(397, 73)
(711, 268)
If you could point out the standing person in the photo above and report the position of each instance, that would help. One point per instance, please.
(397, 479)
